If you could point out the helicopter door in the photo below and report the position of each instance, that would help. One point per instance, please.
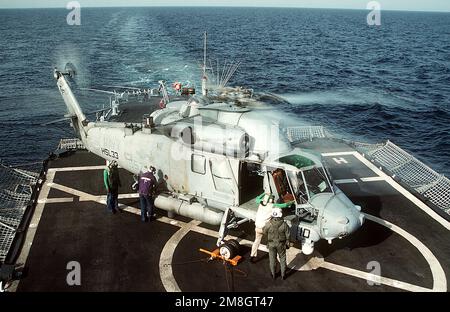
(282, 186)
(223, 180)
(251, 182)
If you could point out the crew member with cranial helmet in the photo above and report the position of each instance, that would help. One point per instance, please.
(278, 233)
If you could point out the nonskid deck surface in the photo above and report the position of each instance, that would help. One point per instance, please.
(401, 239)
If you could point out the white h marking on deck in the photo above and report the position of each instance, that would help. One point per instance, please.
(340, 161)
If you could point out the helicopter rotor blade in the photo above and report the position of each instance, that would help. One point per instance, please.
(98, 111)
(98, 90)
(56, 121)
(123, 87)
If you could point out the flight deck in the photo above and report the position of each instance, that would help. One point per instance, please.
(403, 245)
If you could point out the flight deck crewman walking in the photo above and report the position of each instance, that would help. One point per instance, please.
(278, 233)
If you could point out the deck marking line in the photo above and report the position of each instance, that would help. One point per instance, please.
(166, 258)
(36, 218)
(404, 192)
(66, 169)
(439, 278)
(338, 154)
(345, 181)
(374, 278)
(373, 179)
(102, 198)
(55, 200)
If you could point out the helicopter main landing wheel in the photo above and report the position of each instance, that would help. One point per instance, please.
(230, 249)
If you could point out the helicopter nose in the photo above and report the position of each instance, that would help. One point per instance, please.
(340, 218)
(355, 221)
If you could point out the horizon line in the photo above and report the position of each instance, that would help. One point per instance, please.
(222, 6)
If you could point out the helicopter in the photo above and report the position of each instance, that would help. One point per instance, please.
(217, 152)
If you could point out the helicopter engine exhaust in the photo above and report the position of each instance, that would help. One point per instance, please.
(194, 211)
(213, 139)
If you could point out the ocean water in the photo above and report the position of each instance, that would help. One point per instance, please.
(364, 83)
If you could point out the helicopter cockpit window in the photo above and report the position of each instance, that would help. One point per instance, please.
(298, 187)
(316, 181)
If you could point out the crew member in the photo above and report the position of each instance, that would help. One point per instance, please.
(263, 216)
(146, 96)
(277, 232)
(112, 183)
(147, 183)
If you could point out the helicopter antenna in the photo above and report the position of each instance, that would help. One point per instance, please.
(231, 70)
(205, 53)
(223, 74)
(204, 79)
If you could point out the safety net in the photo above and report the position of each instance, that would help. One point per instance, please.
(411, 171)
(16, 188)
(305, 133)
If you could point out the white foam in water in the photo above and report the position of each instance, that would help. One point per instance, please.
(346, 97)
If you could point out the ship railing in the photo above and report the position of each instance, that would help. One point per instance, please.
(305, 133)
(402, 166)
(16, 192)
(71, 144)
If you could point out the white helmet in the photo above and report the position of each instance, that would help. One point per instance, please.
(277, 213)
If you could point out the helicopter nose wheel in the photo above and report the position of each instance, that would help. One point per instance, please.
(230, 249)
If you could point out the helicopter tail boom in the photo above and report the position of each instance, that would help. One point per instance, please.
(79, 120)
